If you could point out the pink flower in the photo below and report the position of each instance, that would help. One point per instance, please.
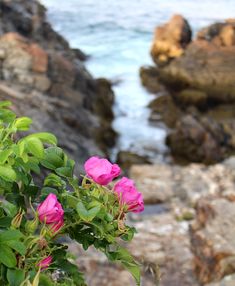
(101, 170)
(50, 210)
(128, 195)
(45, 263)
(55, 227)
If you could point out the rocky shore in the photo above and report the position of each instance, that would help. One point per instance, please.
(194, 83)
(47, 80)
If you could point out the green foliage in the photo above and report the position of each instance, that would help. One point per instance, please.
(92, 215)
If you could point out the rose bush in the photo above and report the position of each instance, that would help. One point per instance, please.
(33, 215)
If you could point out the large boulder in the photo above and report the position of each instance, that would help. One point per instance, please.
(170, 40)
(206, 67)
(198, 138)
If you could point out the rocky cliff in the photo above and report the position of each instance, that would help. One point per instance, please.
(47, 80)
(196, 81)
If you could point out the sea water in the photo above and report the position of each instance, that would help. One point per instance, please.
(117, 35)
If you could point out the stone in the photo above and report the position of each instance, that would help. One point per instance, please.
(170, 40)
(200, 139)
(149, 79)
(42, 83)
(126, 158)
(164, 109)
(39, 58)
(212, 239)
(192, 97)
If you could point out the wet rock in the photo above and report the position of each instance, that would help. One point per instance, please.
(149, 79)
(212, 239)
(126, 159)
(170, 40)
(164, 109)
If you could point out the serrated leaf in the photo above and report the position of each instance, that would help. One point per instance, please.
(87, 215)
(7, 173)
(7, 256)
(15, 277)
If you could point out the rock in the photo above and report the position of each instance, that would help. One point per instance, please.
(39, 58)
(125, 159)
(221, 34)
(212, 239)
(42, 83)
(200, 139)
(204, 67)
(149, 79)
(226, 281)
(164, 183)
(163, 108)
(47, 81)
(192, 97)
(170, 40)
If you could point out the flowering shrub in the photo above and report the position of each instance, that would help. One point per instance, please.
(34, 215)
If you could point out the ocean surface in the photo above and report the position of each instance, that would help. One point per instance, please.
(117, 35)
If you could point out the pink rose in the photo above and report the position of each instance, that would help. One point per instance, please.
(50, 210)
(45, 263)
(129, 195)
(55, 227)
(101, 170)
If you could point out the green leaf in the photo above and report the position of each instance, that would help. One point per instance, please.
(134, 269)
(5, 103)
(53, 158)
(7, 173)
(17, 246)
(7, 257)
(87, 215)
(5, 221)
(23, 123)
(7, 235)
(64, 172)
(82, 211)
(9, 208)
(35, 147)
(15, 276)
(46, 137)
(4, 154)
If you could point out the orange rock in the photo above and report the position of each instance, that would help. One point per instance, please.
(39, 57)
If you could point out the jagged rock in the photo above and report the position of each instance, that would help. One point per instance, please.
(170, 40)
(164, 108)
(212, 239)
(205, 67)
(38, 63)
(192, 97)
(200, 139)
(149, 79)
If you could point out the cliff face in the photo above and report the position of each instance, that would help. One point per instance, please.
(47, 80)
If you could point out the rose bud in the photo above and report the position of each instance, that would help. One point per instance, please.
(50, 210)
(101, 171)
(129, 196)
(56, 227)
(45, 263)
